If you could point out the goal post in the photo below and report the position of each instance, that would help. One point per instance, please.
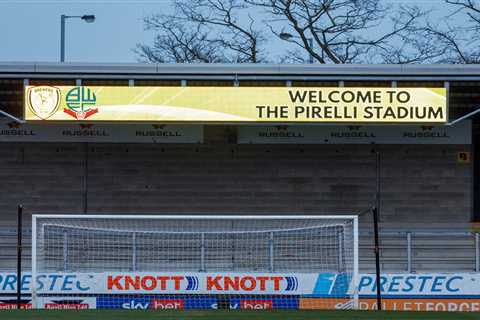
(195, 261)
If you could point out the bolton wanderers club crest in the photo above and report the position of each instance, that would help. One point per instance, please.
(43, 101)
(80, 101)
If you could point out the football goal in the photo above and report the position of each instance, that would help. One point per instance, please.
(194, 262)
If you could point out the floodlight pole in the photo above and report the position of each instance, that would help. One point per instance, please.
(310, 56)
(89, 18)
(62, 38)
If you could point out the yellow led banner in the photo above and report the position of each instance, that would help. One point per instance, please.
(236, 104)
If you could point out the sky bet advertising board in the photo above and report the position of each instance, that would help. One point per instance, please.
(236, 104)
(416, 292)
(180, 302)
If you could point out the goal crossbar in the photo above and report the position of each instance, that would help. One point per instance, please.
(188, 217)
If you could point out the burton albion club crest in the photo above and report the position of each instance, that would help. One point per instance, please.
(80, 102)
(43, 101)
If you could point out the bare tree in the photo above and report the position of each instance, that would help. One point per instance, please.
(177, 42)
(330, 31)
(471, 8)
(457, 35)
(204, 31)
(341, 31)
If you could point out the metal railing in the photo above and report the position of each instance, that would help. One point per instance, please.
(402, 251)
(454, 248)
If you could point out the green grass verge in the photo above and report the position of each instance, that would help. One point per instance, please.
(227, 314)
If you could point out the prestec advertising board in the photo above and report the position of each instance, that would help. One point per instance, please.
(399, 285)
(236, 104)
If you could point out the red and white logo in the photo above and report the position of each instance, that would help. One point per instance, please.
(168, 304)
(66, 306)
(11, 306)
(69, 303)
(256, 304)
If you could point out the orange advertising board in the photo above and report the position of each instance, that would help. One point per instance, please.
(429, 304)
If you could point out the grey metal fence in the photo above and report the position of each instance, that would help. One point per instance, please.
(423, 250)
(401, 251)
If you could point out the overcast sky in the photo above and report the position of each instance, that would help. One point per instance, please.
(30, 29)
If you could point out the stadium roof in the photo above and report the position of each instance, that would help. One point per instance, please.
(299, 72)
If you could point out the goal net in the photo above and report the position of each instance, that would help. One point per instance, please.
(194, 262)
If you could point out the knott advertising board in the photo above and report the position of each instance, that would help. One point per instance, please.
(181, 283)
(460, 133)
(231, 283)
(236, 104)
(75, 132)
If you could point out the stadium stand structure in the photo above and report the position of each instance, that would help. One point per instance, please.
(425, 192)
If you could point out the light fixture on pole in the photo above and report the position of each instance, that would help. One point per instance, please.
(89, 18)
(288, 36)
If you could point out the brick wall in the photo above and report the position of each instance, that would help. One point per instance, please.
(419, 183)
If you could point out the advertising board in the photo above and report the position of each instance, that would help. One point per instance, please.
(200, 290)
(11, 131)
(460, 133)
(236, 104)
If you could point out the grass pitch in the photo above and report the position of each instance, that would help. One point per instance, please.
(227, 314)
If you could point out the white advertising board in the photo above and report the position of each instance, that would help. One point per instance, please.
(393, 285)
(460, 133)
(126, 133)
(421, 284)
(180, 283)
